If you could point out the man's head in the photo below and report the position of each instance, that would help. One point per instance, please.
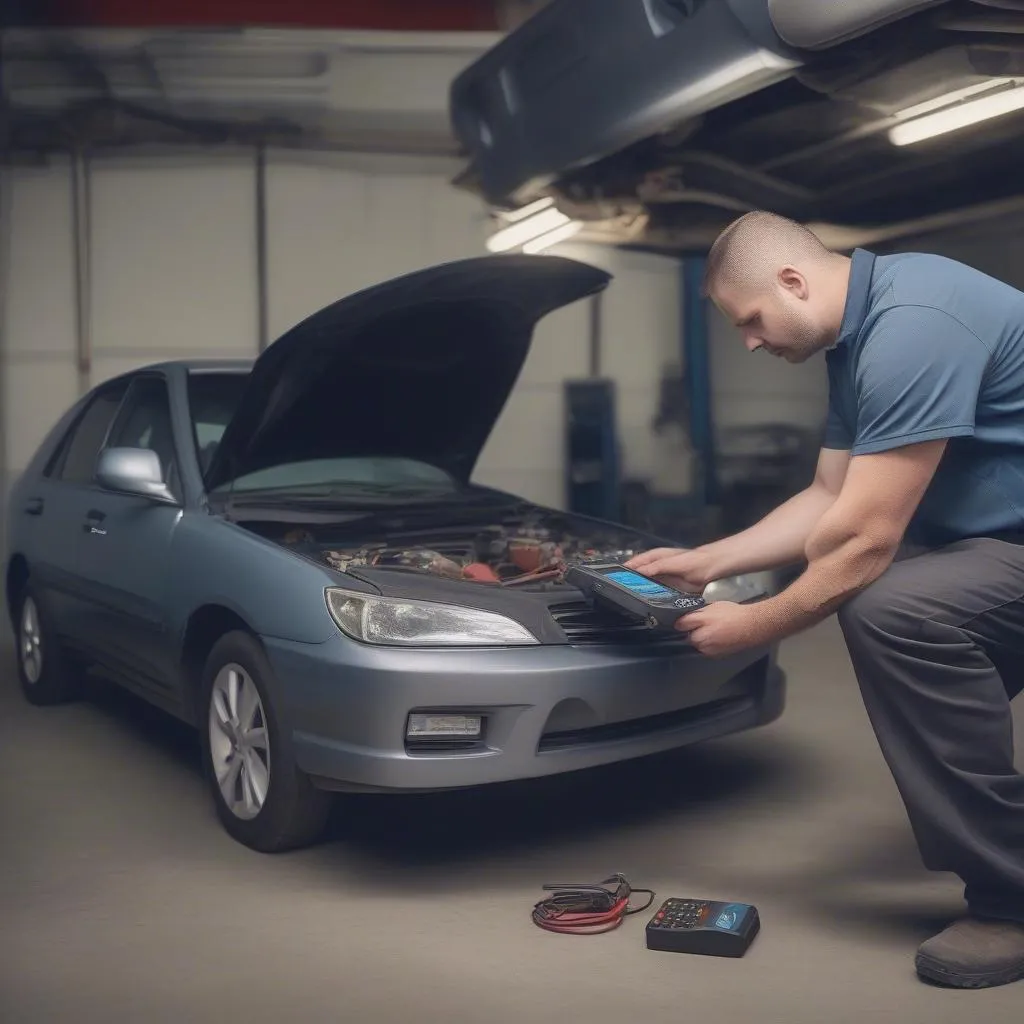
(777, 282)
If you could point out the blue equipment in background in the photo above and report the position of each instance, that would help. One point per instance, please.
(592, 448)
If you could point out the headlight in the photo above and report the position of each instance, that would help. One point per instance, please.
(396, 621)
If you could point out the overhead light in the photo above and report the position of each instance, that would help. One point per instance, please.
(514, 216)
(947, 99)
(954, 115)
(562, 234)
(527, 230)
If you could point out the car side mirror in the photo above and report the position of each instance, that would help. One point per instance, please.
(133, 471)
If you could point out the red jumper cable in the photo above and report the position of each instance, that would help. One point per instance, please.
(587, 909)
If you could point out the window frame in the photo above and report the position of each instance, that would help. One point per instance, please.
(55, 465)
(192, 432)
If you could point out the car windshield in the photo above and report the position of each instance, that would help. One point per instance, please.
(213, 399)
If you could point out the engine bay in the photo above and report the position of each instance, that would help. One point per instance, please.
(526, 552)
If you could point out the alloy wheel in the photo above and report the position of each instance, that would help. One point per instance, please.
(31, 641)
(239, 742)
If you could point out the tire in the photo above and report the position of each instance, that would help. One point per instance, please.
(255, 752)
(48, 677)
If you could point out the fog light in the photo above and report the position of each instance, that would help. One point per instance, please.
(426, 726)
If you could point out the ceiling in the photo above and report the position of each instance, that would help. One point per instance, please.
(812, 143)
(95, 75)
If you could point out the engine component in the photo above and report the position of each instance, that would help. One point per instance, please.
(526, 553)
(529, 555)
(342, 560)
(423, 559)
(481, 573)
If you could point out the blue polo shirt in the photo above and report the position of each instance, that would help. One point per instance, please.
(930, 348)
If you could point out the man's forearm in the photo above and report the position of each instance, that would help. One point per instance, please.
(843, 559)
(777, 540)
(853, 543)
(825, 585)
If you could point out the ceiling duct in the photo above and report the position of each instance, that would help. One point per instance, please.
(321, 89)
(820, 24)
(927, 78)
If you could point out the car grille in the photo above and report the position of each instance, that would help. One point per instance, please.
(443, 744)
(590, 624)
(650, 726)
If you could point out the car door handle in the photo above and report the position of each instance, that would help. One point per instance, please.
(92, 520)
(34, 507)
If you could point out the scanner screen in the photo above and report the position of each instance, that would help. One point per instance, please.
(639, 584)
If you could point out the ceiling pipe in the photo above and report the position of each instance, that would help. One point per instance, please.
(6, 231)
(388, 15)
(81, 210)
(262, 271)
(843, 237)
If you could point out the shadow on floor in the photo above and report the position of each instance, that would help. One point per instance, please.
(581, 806)
(871, 882)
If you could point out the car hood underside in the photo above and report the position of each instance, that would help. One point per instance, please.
(419, 367)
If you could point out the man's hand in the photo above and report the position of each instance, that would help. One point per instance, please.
(721, 628)
(852, 546)
(684, 569)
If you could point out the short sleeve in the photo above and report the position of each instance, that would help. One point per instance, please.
(918, 379)
(838, 432)
(837, 435)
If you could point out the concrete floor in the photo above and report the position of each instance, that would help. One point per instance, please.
(121, 900)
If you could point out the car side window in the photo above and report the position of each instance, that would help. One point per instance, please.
(145, 422)
(75, 459)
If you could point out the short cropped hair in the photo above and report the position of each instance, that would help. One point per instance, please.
(749, 251)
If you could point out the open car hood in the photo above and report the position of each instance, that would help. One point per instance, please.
(419, 367)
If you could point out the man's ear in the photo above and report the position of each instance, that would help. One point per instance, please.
(794, 282)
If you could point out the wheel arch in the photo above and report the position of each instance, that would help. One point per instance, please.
(14, 584)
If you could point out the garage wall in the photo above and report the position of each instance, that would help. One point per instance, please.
(640, 337)
(173, 273)
(750, 388)
(995, 247)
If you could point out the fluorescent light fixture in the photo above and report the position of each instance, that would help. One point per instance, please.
(950, 118)
(526, 230)
(514, 216)
(947, 99)
(562, 234)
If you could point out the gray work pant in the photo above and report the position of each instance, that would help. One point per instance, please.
(937, 645)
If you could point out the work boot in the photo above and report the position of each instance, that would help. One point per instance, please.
(974, 953)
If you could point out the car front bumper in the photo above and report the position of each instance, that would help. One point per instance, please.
(546, 710)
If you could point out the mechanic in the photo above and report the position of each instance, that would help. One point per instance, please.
(912, 531)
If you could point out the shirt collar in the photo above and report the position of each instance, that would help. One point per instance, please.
(858, 295)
